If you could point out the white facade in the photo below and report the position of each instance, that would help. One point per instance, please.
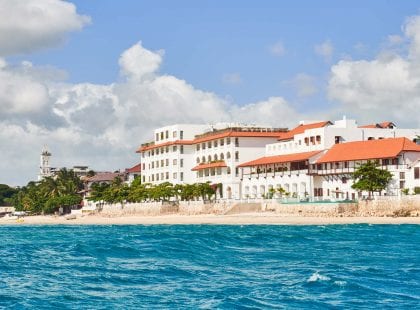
(186, 154)
(327, 183)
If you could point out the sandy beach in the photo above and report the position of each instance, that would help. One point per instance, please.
(237, 219)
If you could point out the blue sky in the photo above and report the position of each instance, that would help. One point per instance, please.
(92, 79)
(206, 40)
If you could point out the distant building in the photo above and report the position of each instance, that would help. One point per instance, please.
(45, 169)
(133, 173)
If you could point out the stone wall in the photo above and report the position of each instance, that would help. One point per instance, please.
(383, 206)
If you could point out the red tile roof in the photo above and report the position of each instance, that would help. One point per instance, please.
(134, 169)
(371, 149)
(301, 129)
(278, 159)
(215, 136)
(169, 143)
(380, 125)
(233, 133)
(217, 164)
(105, 177)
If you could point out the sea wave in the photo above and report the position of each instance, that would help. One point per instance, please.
(209, 266)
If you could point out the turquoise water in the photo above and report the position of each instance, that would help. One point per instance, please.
(209, 266)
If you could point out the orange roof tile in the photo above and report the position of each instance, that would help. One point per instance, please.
(217, 164)
(169, 143)
(301, 129)
(260, 134)
(380, 125)
(278, 159)
(134, 169)
(371, 149)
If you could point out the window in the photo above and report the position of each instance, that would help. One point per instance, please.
(203, 146)
(209, 158)
(167, 162)
(174, 162)
(402, 184)
(157, 164)
(143, 166)
(198, 160)
(222, 156)
(228, 155)
(222, 142)
(215, 143)
(157, 137)
(236, 171)
(306, 140)
(402, 175)
(162, 162)
(181, 134)
(167, 176)
(162, 176)
(236, 156)
(203, 159)
(153, 164)
(417, 173)
(236, 141)
(312, 139)
(174, 148)
(346, 164)
(181, 149)
(167, 134)
(228, 170)
(198, 147)
(153, 152)
(215, 157)
(161, 135)
(227, 141)
(174, 134)
(144, 179)
(318, 139)
(153, 177)
(157, 176)
(157, 151)
(181, 176)
(181, 163)
(174, 175)
(209, 144)
(337, 139)
(344, 180)
(167, 149)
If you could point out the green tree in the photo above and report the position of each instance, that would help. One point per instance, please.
(6, 192)
(368, 177)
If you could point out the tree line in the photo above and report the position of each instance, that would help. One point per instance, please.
(48, 195)
(118, 191)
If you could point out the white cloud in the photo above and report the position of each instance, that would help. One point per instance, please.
(138, 62)
(232, 78)
(395, 39)
(102, 125)
(325, 50)
(277, 49)
(30, 25)
(304, 84)
(385, 88)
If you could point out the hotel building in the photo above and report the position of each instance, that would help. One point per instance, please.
(313, 160)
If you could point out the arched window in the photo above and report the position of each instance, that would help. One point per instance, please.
(198, 160)
(203, 159)
(228, 155)
(222, 156)
(209, 158)
(215, 157)
(228, 170)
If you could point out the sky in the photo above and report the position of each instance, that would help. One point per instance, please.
(92, 79)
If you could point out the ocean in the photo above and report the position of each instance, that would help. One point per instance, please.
(210, 266)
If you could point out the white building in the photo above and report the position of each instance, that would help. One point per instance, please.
(252, 162)
(203, 153)
(301, 162)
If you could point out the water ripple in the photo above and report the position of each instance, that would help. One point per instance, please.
(206, 266)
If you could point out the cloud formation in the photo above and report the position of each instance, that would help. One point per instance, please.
(102, 125)
(30, 25)
(325, 50)
(387, 87)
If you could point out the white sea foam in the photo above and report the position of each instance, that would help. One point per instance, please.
(340, 283)
(318, 277)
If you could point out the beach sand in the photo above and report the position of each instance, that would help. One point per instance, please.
(237, 219)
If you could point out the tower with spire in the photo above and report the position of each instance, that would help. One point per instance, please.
(44, 168)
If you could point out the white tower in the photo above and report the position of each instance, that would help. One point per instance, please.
(44, 168)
